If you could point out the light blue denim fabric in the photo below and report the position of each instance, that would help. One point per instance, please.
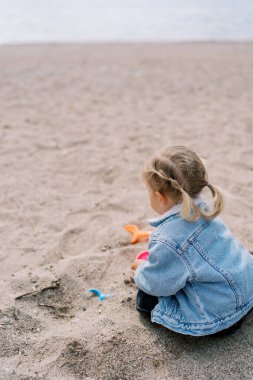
(202, 275)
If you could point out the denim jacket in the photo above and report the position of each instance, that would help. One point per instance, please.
(202, 276)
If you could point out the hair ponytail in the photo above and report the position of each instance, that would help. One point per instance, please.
(218, 203)
(189, 211)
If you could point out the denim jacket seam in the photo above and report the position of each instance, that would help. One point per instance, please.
(181, 251)
(195, 235)
(155, 234)
(165, 240)
(177, 253)
(215, 321)
(226, 275)
(185, 245)
(158, 228)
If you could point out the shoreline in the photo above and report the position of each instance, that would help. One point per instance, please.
(127, 43)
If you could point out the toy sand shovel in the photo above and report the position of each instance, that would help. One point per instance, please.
(137, 235)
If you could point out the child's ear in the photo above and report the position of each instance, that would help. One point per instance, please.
(160, 196)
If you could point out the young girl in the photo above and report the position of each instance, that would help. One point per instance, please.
(198, 279)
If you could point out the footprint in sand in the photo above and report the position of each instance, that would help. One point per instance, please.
(125, 357)
(107, 174)
(14, 327)
(71, 242)
(75, 359)
(18, 322)
(76, 240)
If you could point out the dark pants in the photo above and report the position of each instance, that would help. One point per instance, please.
(146, 303)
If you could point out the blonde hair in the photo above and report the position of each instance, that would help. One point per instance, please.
(179, 172)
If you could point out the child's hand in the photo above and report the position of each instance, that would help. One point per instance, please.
(136, 263)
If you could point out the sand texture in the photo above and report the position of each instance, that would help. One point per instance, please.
(77, 123)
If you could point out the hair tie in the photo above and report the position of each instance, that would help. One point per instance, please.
(176, 185)
(173, 182)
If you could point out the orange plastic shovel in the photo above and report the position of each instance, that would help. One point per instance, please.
(137, 234)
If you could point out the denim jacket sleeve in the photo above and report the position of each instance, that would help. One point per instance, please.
(164, 273)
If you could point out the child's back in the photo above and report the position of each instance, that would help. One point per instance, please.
(202, 276)
(201, 273)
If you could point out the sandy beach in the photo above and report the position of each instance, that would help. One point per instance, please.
(77, 123)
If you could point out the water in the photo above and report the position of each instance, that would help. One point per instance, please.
(33, 21)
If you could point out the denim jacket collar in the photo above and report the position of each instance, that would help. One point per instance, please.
(172, 211)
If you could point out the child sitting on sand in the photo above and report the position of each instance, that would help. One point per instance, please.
(198, 279)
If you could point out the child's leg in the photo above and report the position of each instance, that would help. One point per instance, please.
(145, 303)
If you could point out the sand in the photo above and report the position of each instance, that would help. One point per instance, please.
(77, 124)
